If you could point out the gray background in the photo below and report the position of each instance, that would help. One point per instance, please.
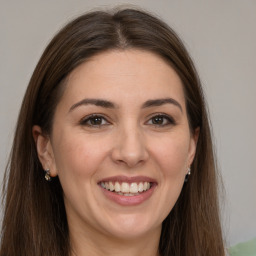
(221, 37)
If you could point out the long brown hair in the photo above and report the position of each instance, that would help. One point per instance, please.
(34, 220)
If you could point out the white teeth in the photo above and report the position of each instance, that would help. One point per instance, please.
(145, 186)
(117, 187)
(133, 188)
(140, 189)
(111, 186)
(126, 189)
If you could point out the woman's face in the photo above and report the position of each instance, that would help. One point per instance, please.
(120, 144)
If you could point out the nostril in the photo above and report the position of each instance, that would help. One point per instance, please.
(130, 160)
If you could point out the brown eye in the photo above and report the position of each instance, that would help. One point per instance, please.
(94, 120)
(161, 120)
(158, 120)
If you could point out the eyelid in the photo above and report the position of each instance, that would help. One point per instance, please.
(83, 121)
(87, 118)
(164, 115)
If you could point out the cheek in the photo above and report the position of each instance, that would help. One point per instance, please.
(78, 156)
(172, 155)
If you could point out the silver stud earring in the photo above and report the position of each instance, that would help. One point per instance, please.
(47, 175)
(188, 174)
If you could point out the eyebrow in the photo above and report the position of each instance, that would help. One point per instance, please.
(111, 105)
(160, 102)
(96, 102)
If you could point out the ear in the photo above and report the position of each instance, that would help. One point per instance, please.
(193, 145)
(44, 150)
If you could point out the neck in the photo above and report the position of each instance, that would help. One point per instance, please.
(86, 244)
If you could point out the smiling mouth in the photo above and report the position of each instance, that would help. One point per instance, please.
(125, 188)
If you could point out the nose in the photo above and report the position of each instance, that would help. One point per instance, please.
(130, 147)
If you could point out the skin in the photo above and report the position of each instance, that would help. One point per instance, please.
(127, 141)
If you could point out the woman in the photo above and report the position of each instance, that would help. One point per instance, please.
(112, 153)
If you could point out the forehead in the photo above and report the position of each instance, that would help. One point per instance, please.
(130, 74)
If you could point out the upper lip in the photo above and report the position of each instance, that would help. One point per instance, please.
(127, 179)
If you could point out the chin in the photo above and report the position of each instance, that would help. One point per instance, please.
(132, 226)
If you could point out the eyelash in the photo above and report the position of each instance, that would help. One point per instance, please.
(87, 121)
(166, 118)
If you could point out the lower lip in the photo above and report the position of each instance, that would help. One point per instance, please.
(129, 200)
